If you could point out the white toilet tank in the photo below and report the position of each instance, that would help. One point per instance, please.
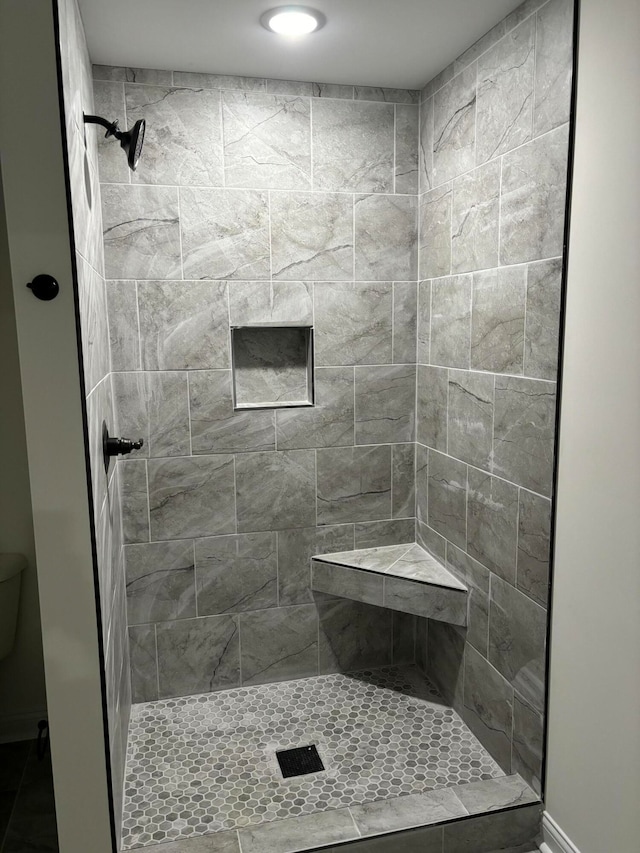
(11, 567)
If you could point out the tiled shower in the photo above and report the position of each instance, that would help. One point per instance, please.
(415, 238)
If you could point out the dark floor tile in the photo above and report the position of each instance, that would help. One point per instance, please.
(13, 757)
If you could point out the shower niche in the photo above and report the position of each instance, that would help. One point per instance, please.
(272, 366)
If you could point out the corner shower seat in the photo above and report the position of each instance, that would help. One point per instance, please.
(399, 577)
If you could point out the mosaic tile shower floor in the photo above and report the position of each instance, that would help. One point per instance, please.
(206, 763)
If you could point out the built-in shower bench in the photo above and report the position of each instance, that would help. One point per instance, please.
(400, 577)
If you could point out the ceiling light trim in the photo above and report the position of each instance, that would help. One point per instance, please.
(267, 18)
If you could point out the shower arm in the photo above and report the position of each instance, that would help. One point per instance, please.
(111, 126)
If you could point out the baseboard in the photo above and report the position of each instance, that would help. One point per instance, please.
(554, 839)
(21, 726)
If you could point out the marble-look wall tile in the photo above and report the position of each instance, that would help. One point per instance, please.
(426, 146)
(108, 98)
(198, 655)
(454, 133)
(329, 827)
(405, 308)
(279, 644)
(534, 534)
(445, 663)
(475, 219)
(295, 550)
(354, 636)
(353, 146)
(94, 326)
(542, 332)
(141, 232)
(488, 706)
(437, 82)
(385, 404)
(522, 12)
(167, 401)
(135, 500)
(434, 232)
(183, 135)
(448, 498)
(404, 638)
(513, 831)
(517, 634)
(225, 233)
(332, 90)
(255, 302)
(275, 491)
(298, 88)
(451, 321)
(422, 488)
(470, 417)
(374, 534)
(363, 334)
(424, 322)
(148, 76)
(195, 80)
(528, 743)
(144, 666)
(407, 128)
(533, 199)
(354, 484)
(379, 93)
(124, 334)
(330, 422)
(160, 582)
(431, 412)
(492, 523)
(267, 141)
(554, 47)
(523, 432)
(505, 93)
(236, 573)
(497, 321)
(479, 47)
(403, 473)
(216, 427)
(183, 325)
(385, 237)
(340, 581)
(191, 496)
(476, 578)
(311, 236)
(131, 409)
(431, 541)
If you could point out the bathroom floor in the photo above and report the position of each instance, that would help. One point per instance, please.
(27, 809)
(202, 764)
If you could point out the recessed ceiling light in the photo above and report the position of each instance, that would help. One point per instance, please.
(292, 20)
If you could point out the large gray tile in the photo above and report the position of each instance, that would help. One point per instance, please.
(236, 573)
(434, 232)
(476, 578)
(183, 325)
(348, 583)
(363, 333)
(167, 400)
(542, 330)
(135, 500)
(353, 146)
(422, 840)
(475, 219)
(124, 334)
(331, 90)
(528, 743)
(183, 135)
(451, 321)
(94, 332)
(454, 134)
(330, 422)
(426, 146)
(141, 232)
(448, 497)
(218, 842)
(311, 236)
(431, 413)
(407, 130)
(371, 559)
(431, 602)
(353, 636)
(284, 302)
(290, 87)
(492, 794)
(289, 836)
(404, 638)
(198, 655)
(191, 497)
(144, 666)
(517, 637)
(275, 491)
(534, 523)
(515, 831)
(497, 322)
(404, 812)
(354, 484)
(521, 12)
(295, 549)
(424, 322)
(470, 417)
(488, 706)
(405, 307)
(553, 65)
(505, 93)
(160, 582)
(403, 474)
(267, 141)
(373, 534)
(386, 237)
(492, 523)
(380, 93)
(279, 644)
(445, 660)
(225, 233)
(195, 80)
(385, 404)
(108, 100)
(131, 409)
(524, 431)
(533, 199)
(147, 76)
(479, 47)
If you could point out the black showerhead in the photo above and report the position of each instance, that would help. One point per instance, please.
(130, 140)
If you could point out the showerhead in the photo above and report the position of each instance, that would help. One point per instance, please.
(130, 140)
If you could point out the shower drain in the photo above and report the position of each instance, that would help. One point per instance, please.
(299, 761)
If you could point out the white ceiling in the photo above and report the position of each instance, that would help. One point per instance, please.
(396, 43)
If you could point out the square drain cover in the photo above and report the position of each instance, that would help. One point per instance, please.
(300, 761)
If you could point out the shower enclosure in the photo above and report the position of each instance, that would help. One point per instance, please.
(332, 314)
